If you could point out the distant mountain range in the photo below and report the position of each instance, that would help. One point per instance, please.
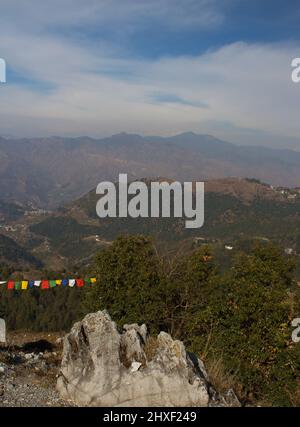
(49, 172)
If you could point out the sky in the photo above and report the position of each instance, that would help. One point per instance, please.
(153, 67)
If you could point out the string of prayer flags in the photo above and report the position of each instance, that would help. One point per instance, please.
(47, 284)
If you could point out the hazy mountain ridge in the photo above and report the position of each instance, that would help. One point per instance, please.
(52, 171)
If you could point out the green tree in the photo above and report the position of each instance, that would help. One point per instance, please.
(253, 331)
(135, 284)
(190, 284)
(129, 282)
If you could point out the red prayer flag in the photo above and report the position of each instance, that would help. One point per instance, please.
(45, 284)
(10, 284)
(79, 283)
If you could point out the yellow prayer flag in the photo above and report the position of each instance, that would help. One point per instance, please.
(93, 280)
(24, 285)
(58, 282)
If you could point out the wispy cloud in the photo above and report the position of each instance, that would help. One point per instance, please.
(170, 98)
(39, 16)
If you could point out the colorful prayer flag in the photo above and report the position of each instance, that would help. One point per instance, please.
(10, 284)
(65, 282)
(79, 283)
(72, 283)
(24, 285)
(45, 284)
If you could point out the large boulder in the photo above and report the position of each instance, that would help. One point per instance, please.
(102, 367)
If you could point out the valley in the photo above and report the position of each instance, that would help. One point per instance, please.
(237, 213)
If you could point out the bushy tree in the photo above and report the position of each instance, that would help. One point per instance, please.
(135, 284)
(129, 282)
(252, 330)
(191, 283)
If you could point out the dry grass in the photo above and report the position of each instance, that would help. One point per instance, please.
(150, 348)
(295, 396)
(221, 378)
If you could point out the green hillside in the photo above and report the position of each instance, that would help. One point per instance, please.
(226, 218)
(14, 254)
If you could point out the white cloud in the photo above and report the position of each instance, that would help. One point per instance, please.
(96, 90)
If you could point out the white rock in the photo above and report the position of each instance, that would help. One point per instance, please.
(29, 356)
(135, 366)
(97, 362)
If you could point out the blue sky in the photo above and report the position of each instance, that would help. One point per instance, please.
(151, 67)
(230, 21)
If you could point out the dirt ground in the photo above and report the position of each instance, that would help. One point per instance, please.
(29, 366)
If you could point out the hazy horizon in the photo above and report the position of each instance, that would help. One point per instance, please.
(255, 143)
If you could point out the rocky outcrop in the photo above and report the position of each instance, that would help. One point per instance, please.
(102, 367)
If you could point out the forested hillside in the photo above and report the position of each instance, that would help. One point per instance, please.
(13, 254)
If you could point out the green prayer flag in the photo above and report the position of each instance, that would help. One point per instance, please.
(17, 286)
(52, 283)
